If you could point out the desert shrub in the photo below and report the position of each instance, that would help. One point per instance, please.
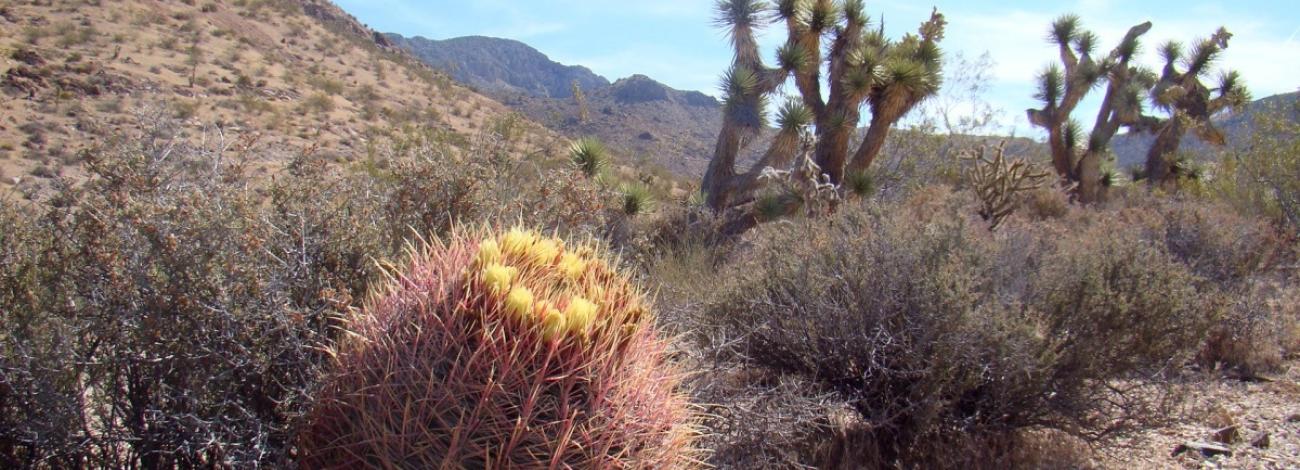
(1236, 258)
(1046, 203)
(940, 338)
(1260, 330)
(1263, 177)
(172, 310)
(513, 351)
(320, 103)
(434, 181)
(1220, 244)
(175, 318)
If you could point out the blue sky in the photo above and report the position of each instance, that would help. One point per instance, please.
(676, 42)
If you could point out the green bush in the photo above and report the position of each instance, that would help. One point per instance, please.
(939, 337)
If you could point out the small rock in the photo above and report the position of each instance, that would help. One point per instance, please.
(1206, 449)
(1262, 441)
(1295, 418)
(1228, 435)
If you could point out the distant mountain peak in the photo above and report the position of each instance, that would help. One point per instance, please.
(642, 89)
(501, 66)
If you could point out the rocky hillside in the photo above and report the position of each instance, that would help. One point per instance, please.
(293, 75)
(1131, 150)
(500, 66)
(645, 122)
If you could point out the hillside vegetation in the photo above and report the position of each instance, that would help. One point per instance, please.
(293, 76)
(289, 244)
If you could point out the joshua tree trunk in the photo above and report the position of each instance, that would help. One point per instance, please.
(1168, 140)
(718, 178)
(1089, 176)
(833, 150)
(871, 145)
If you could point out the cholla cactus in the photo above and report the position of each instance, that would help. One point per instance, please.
(997, 181)
(511, 352)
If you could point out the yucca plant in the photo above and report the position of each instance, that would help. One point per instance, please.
(636, 199)
(860, 183)
(516, 351)
(1062, 87)
(864, 68)
(1190, 103)
(590, 156)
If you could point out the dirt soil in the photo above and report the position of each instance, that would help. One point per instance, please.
(1256, 409)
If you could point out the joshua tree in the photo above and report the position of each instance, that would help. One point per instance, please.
(1062, 87)
(862, 67)
(1189, 102)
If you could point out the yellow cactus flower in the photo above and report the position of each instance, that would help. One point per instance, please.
(580, 313)
(489, 252)
(498, 278)
(518, 241)
(572, 266)
(552, 324)
(544, 251)
(519, 302)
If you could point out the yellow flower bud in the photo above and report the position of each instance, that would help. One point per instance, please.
(580, 313)
(519, 302)
(572, 266)
(552, 325)
(544, 251)
(498, 278)
(518, 241)
(489, 252)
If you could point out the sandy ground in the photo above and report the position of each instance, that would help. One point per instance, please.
(1256, 409)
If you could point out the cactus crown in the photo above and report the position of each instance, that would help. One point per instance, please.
(540, 285)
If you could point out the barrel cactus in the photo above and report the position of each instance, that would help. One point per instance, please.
(516, 351)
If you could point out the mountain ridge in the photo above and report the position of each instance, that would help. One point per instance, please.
(641, 119)
(499, 66)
